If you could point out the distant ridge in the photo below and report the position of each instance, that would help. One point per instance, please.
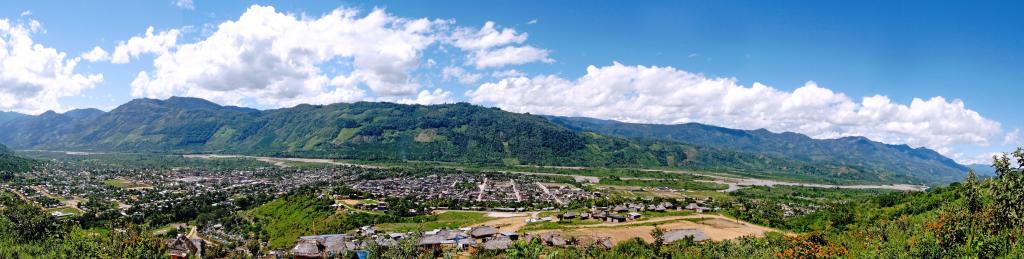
(895, 160)
(7, 116)
(468, 133)
(983, 170)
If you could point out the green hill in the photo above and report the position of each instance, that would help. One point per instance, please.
(461, 133)
(9, 163)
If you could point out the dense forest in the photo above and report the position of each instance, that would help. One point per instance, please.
(461, 133)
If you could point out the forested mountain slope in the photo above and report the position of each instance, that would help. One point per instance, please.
(367, 131)
(9, 163)
(853, 152)
(397, 132)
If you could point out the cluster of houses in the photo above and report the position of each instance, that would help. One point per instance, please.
(624, 212)
(470, 240)
(503, 188)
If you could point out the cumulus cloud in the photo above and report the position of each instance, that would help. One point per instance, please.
(490, 47)
(150, 43)
(95, 55)
(461, 75)
(486, 37)
(276, 58)
(34, 77)
(669, 95)
(425, 97)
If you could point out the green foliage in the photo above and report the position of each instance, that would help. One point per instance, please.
(11, 164)
(525, 249)
(28, 232)
(283, 220)
(763, 205)
(1008, 194)
(446, 220)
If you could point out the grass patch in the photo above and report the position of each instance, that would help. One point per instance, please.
(451, 219)
(168, 228)
(123, 183)
(561, 224)
(66, 210)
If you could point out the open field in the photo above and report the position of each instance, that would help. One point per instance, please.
(445, 219)
(168, 228)
(71, 210)
(124, 183)
(716, 227)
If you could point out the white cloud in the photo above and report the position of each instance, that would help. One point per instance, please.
(425, 97)
(95, 55)
(26, 13)
(1012, 138)
(668, 95)
(275, 58)
(983, 159)
(461, 75)
(151, 43)
(507, 73)
(534, 21)
(486, 37)
(491, 47)
(34, 77)
(510, 56)
(184, 4)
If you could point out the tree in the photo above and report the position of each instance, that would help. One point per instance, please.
(973, 199)
(659, 239)
(1009, 190)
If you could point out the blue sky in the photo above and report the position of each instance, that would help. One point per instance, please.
(691, 53)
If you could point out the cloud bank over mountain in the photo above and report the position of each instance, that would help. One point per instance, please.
(667, 95)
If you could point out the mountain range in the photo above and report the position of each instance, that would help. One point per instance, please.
(854, 152)
(467, 133)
